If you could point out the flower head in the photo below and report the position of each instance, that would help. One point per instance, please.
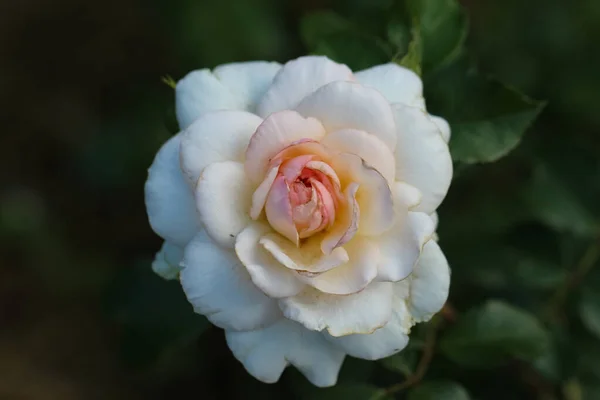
(299, 203)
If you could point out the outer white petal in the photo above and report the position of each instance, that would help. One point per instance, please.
(277, 132)
(215, 137)
(406, 197)
(267, 273)
(297, 79)
(218, 286)
(396, 83)
(200, 92)
(385, 341)
(235, 86)
(166, 262)
(361, 312)
(401, 246)
(444, 127)
(422, 156)
(368, 147)
(266, 352)
(342, 105)
(223, 198)
(169, 200)
(434, 217)
(430, 283)
(248, 81)
(352, 276)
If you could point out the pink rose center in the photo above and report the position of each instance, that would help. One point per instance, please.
(304, 193)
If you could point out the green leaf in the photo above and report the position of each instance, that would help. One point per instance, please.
(588, 358)
(329, 34)
(318, 25)
(404, 362)
(552, 202)
(412, 59)
(358, 51)
(589, 310)
(538, 273)
(153, 314)
(490, 334)
(589, 392)
(487, 118)
(399, 35)
(349, 392)
(443, 28)
(440, 390)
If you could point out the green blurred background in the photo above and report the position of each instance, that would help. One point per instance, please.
(84, 111)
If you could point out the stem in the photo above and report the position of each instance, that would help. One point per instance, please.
(426, 357)
(449, 313)
(583, 267)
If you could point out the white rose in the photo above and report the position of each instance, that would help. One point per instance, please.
(302, 200)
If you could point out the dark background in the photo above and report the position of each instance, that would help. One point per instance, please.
(82, 113)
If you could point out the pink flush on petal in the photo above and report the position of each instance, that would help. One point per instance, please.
(305, 193)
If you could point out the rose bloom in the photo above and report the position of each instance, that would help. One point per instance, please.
(298, 208)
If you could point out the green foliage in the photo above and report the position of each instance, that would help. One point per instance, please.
(350, 392)
(487, 118)
(553, 203)
(491, 334)
(329, 34)
(404, 362)
(154, 316)
(589, 310)
(443, 27)
(445, 390)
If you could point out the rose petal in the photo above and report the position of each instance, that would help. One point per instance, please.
(291, 169)
(279, 210)
(352, 276)
(361, 312)
(422, 156)
(374, 196)
(277, 132)
(435, 219)
(346, 224)
(326, 170)
(267, 273)
(401, 246)
(443, 126)
(215, 137)
(297, 79)
(223, 198)
(235, 86)
(368, 147)
(342, 105)
(166, 262)
(406, 197)
(265, 353)
(307, 258)
(248, 81)
(430, 283)
(218, 286)
(169, 200)
(384, 342)
(396, 83)
(259, 197)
